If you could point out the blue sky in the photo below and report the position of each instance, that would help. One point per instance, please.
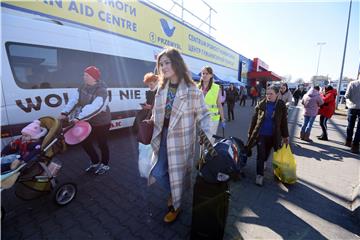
(284, 34)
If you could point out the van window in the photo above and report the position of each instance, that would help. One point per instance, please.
(35, 66)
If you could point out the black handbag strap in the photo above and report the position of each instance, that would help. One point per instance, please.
(208, 146)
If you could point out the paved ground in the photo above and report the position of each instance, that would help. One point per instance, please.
(119, 205)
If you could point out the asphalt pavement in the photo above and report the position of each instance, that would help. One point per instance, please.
(120, 205)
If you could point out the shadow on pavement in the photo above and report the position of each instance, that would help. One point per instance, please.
(287, 213)
(119, 205)
(338, 129)
(324, 152)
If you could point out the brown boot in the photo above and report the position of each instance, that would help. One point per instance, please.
(307, 137)
(172, 215)
(323, 137)
(348, 143)
(355, 148)
(302, 135)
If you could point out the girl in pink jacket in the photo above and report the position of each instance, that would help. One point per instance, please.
(311, 101)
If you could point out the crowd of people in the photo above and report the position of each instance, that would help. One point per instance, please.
(176, 105)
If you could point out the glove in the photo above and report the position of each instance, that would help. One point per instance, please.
(223, 124)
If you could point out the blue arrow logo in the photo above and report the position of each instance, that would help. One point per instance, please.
(167, 27)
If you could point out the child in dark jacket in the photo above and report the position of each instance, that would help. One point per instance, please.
(24, 148)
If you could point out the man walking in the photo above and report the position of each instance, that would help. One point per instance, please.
(352, 96)
(298, 94)
(253, 94)
(231, 96)
(243, 96)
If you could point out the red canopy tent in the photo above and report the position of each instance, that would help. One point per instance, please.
(266, 75)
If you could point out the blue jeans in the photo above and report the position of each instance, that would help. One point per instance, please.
(308, 123)
(161, 168)
(353, 114)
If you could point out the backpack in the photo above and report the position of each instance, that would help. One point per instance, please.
(230, 157)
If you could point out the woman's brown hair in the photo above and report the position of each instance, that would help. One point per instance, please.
(210, 71)
(177, 64)
(285, 84)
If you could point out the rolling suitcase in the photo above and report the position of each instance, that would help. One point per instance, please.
(211, 190)
(210, 209)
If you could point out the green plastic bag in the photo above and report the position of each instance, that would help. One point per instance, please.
(284, 165)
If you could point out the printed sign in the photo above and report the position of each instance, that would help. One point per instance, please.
(136, 20)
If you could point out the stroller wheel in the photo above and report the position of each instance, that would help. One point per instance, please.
(65, 193)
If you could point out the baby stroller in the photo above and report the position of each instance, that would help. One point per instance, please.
(37, 177)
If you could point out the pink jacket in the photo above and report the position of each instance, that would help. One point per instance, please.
(312, 101)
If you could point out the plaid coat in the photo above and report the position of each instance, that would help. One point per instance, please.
(188, 110)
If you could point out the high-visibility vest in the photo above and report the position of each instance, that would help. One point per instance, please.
(211, 101)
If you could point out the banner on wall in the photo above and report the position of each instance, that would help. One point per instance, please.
(244, 71)
(136, 20)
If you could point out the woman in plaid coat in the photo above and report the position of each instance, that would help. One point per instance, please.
(179, 107)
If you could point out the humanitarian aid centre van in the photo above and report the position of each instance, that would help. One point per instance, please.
(47, 44)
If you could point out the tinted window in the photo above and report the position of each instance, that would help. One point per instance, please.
(45, 67)
(122, 72)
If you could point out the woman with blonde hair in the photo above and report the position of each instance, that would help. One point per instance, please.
(212, 95)
(179, 107)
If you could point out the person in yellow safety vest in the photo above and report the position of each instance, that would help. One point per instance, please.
(212, 95)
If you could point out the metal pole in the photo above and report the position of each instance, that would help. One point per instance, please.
(210, 9)
(319, 44)
(210, 22)
(182, 10)
(343, 60)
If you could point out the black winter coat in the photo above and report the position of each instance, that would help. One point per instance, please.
(231, 95)
(298, 93)
(279, 120)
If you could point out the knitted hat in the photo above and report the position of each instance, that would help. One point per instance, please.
(34, 130)
(93, 72)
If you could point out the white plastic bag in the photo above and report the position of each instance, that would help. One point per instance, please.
(145, 154)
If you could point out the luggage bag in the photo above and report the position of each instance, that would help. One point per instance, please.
(210, 209)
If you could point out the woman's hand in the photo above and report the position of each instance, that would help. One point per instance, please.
(148, 121)
(75, 120)
(62, 117)
(147, 106)
(285, 140)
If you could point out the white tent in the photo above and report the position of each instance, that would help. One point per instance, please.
(233, 80)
